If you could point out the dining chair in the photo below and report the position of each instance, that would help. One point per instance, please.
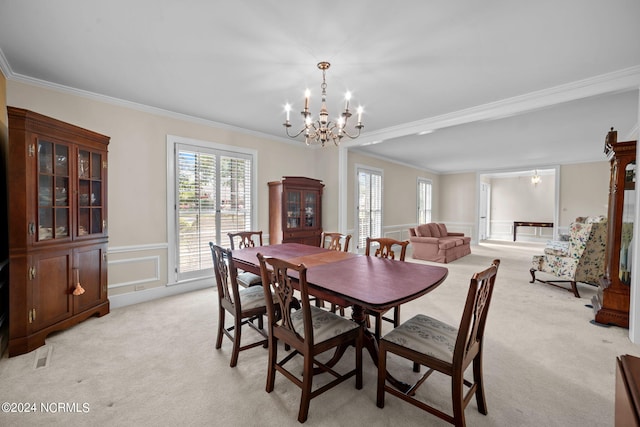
(334, 242)
(309, 331)
(444, 348)
(246, 239)
(245, 305)
(386, 248)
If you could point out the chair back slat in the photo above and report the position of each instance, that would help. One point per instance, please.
(225, 272)
(245, 239)
(279, 293)
(474, 317)
(334, 241)
(386, 247)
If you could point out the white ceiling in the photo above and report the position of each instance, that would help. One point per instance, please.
(502, 84)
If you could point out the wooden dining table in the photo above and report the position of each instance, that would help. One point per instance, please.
(349, 279)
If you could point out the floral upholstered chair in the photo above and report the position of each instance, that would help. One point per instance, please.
(581, 259)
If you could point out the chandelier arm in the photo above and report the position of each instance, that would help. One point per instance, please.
(344, 132)
(297, 134)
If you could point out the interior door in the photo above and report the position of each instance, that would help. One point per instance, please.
(484, 230)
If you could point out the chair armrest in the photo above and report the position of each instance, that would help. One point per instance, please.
(455, 234)
(431, 240)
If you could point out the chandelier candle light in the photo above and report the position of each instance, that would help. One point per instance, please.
(323, 130)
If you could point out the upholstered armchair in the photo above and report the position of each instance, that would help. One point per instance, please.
(581, 259)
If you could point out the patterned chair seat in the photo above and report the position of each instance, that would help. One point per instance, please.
(326, 324)
(426, 335)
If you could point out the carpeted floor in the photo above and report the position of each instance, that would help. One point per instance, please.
(155, 364)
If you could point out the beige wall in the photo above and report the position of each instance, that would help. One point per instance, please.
(399, 189)
(138, 240)
(137, 179)
(584, 190)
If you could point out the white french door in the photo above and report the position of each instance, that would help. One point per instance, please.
(368, 205)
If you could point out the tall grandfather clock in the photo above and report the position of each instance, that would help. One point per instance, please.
(611, 303)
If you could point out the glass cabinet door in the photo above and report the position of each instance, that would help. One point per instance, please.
(53, 191)
(310, 208)
(293, 206)
(90, 193)
(628, 215)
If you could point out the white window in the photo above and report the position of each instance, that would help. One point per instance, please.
(369, 205)
(424, 200)
(213, 195)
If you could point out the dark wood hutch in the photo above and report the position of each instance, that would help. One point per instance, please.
(57, 187)
(295, 210)
(611, 303)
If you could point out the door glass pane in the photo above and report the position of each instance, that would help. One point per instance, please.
(213, 194)
(369, 206)
(628, 215)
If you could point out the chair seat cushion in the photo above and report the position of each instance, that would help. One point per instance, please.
(425, 335)
(252, 297)
(247, 279)
(557, 247)
(326, 324)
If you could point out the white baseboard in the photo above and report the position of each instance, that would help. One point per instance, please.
(151, 294)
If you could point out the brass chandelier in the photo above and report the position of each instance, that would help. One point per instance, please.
(322, 130)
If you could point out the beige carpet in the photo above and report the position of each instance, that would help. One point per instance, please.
(155, 364)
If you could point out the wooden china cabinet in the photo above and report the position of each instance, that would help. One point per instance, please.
(611, 303)
(57, 188)
(295, 210)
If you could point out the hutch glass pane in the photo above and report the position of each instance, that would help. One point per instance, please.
(83, 164)
(83, 221)
(96, 163)
(45, 157)
(62, 160)
(293, 209)
(310, 210)
(62, 222)
(96, 196)
(62, 191)
(45, 223)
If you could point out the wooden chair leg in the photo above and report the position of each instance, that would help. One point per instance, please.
(271, 368)
(478, 379)
(221, 312)
(260, 322)
(382, 375)
(237, 334)
(307, 382)
(457, 393)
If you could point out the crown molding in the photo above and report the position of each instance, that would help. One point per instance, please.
(617, 81)
(129, 104)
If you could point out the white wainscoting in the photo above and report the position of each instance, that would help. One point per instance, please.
(140, 269)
